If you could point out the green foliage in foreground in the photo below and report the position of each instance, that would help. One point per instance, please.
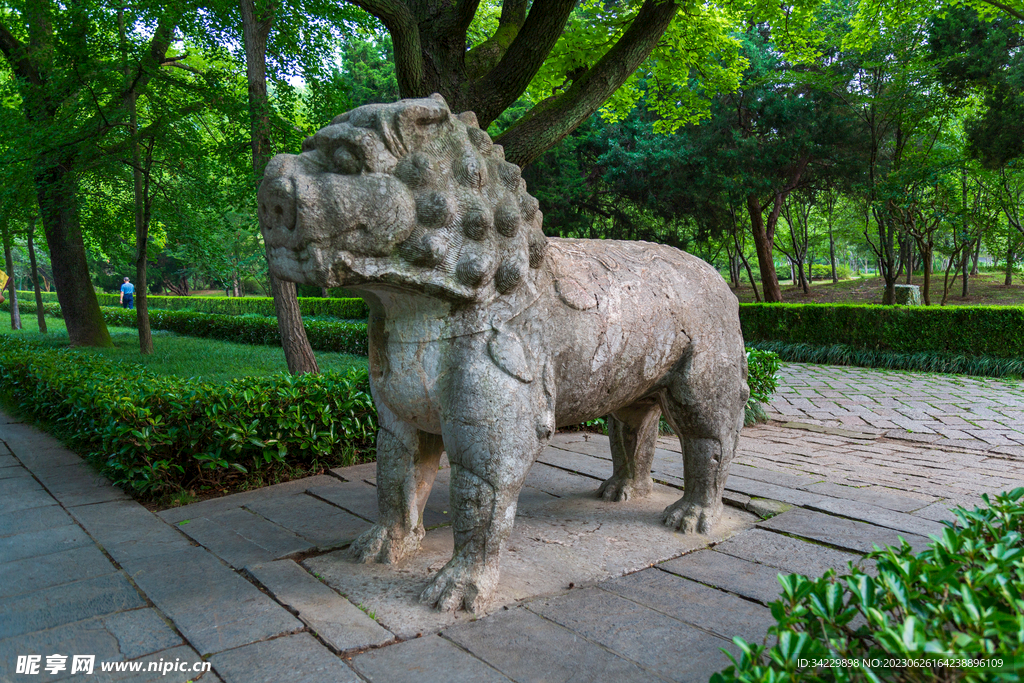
(154, 435)
(841, 354)
(962, 598)
(996, 331)
(345, 309)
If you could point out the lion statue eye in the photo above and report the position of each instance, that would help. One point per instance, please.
(346, 162)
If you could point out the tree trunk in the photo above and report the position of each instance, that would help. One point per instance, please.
(975, 259)
(80, 308)
(832, 254)
(297, 351)
(763, 243)
(965, 270)
(40, 314)
(140, 187)
(9, 260)
(746, 265)
(255, 31)
(1008, 280)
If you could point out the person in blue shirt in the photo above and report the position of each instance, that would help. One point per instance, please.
(128, 295)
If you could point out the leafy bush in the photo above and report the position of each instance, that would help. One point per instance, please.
(344, 309)
(762, 374)
(996, 331)
(155, 434)
(961, 599)
(823, 271)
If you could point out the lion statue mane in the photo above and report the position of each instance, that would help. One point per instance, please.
(485, 336)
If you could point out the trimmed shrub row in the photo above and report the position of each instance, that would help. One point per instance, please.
(838, 354)
(346, 309)
(996, 331)
(154, 434)
(954, 612)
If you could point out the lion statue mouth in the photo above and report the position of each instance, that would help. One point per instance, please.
(402, 193)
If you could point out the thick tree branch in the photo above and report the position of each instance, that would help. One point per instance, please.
(502, 86)
(159, 44)
(14, 52)
(405, 35)
(551, 120)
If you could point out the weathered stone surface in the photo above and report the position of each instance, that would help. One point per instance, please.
(118, 637)
(791, 555)
(78, 484)
(430, 659)
(709, 608)
(576, 539)
(484, 330)
(296, 659)
(937, 512)
(213, 607)
(763, 489)
(314, 520)
(240, 537)
(841, 533)
(215, 506)
(140, 632)
(526, 647)
(43, 542)
(908, 295)
(765, 507)
(35, 573)
(751, 580)
(660, 644)
(336, 620)
(14, 472)
(63, 604)
(38, 519)
(129, 531)
(15, 486)
(360, 499)
(183, 656)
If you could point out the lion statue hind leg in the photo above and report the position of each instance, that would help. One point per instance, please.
(633, 433)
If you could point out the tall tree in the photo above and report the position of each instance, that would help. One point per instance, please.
(56, 53)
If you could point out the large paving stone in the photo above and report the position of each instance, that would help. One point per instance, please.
(576, 539)
(749, 579)
(430, 659)
(63, 604)
(760, 489)
(297, 659)
(129, 531)
(707, 608)
(38, 519)
(900, 521)
(870, 495)
(78, 484)
(360, 499)
(526, 647)
(213, 607)
(10, 487)
(841, 533)
(118, 637)
(336, 620)
(24, 499)
(658, 643)
(213, 506)
(36, 573)
(558, 482)
(42, 542)
(571, 461)
(318, 522)
(240, 537)
(792, 555)
(14, 472)
(937, 512)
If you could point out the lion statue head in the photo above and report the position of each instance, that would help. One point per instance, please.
(404, 194)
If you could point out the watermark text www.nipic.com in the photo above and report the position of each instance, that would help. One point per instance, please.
(86, 664)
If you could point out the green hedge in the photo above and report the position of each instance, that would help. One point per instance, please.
(996, 331)
(961, 599)
(323, 335)
(346, 309)
(155, 434)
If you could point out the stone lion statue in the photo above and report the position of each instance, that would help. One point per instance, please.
(485, 336)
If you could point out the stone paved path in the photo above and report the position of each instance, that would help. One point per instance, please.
(951, 410)
(258, 585)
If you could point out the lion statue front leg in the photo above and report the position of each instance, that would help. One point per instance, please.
(407, 462)
(494, 428)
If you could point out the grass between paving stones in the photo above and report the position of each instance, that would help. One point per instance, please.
(954, 612)
(170, 439)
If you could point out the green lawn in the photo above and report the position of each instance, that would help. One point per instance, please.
(212, 360)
